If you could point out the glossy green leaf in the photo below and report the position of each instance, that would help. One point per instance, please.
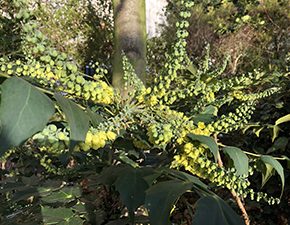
(206, 118)
(110, 174)
(187, 177)
(161, 197)
(77, 119)
(212, 210)
(56, 215)
(72, 221)
(247, 127)
(213, 110)
(192, 68)
(240, 159)
(24, 110)
(131, 187)
(257, 131)
(276, 130)
(65, 194)
(125, 159)
(95, 118)
(283, 119)
(277, 166)
(267, 172)
(208, 141)
(279, 144)
(24, 194)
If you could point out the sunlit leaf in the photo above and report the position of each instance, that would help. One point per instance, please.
(283, 119)
(258, 131)
(24, 110)
(267, 172)
(276, 130)
(77, 119)
(208, 141)
(240, 159)
(56, 215)
(277, 166)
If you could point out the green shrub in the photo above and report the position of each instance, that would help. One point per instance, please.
(67, 133)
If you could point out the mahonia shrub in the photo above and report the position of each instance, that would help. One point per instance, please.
(152, 146)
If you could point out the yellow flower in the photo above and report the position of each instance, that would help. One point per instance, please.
(111, 135)
(85, 146)
(188, 147)
(201, 125)
(153, 100)
(102, 135)
(61, 136)
(89, 138)
(99, 140)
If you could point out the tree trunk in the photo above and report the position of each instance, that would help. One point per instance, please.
(130, 38)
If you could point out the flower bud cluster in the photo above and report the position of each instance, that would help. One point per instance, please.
(63, 78)
(195, 159)
(97, 139)
(55, 140)
(178, 58)
(236, 120)
(254, 96)
(52, 139)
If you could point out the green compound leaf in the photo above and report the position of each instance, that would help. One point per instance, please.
(77, 119)
(24, 110)
(132, 187)
(161, 197)
(240, 159)
(277, 166)
(212, 210)
(208, 141)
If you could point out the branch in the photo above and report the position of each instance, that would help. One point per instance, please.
(234, 194)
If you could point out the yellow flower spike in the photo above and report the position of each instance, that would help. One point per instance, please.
(85, 147)
(111, 135)
(188, 147)
(184, 161)
(148, 90)
(188, 168)
(50, 75)
(201, 125)
(180, 140)
(153, 100)
(176, 157)
(102, 135)
(89, 138)
(102, 143)
(212, 96)
(95, 140)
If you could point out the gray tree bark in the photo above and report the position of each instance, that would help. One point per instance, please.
(130, 38)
